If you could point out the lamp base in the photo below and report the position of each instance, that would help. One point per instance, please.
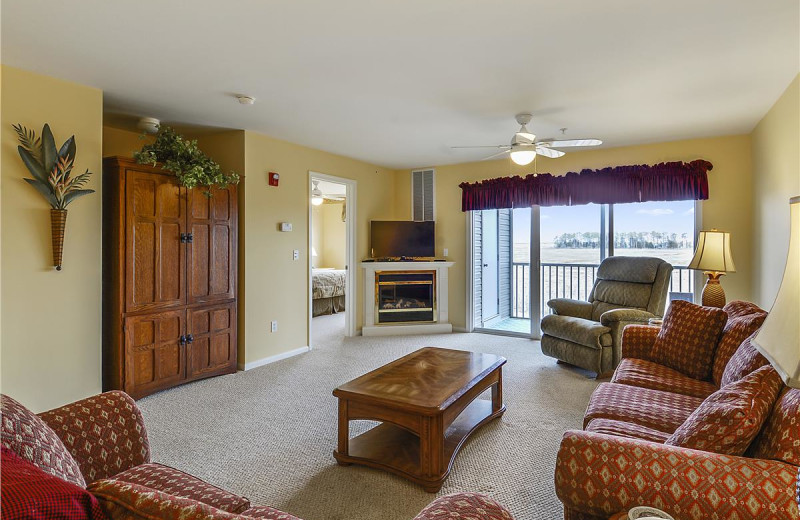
(713, 294)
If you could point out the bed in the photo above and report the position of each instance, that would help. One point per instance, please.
(327, 291)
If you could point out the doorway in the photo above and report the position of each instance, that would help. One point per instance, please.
(331, 258)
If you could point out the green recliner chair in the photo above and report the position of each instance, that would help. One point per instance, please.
(588, 334)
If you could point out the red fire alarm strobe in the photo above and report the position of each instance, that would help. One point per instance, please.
(273, 178)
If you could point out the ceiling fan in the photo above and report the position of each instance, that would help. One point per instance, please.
(524, 147)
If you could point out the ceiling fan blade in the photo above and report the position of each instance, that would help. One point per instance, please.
(549, 152)
(573, 142)
(498, 154)
(491, 146)
(526, 135)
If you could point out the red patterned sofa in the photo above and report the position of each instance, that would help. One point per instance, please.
(91, 459)
(624, 456)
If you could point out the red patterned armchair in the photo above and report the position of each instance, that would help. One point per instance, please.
(625, 456)
(95, 452)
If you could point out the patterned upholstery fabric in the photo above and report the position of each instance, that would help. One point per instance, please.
(638, 341)
(176, 482)
(688, 337)
(745, 360)
(626, 429)
(780, 438)
(105, 433)
(127, 501)
(729, 420)
(27, 435)
(744, 318)
(601, 474)
(465, 506)
(662, 411)
(28, 493)
(647, 374)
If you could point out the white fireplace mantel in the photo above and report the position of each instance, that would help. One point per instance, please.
(442, 323)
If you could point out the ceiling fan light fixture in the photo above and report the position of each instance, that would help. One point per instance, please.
(523, 157)
(316, 194)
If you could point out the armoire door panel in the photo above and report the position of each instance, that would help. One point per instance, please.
(212, 253)
(213, 349)
(155, 218)
(156, 356)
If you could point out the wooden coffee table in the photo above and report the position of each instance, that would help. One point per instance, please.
(428, 408)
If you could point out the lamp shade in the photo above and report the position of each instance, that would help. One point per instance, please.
(713, 252)
(779, 337)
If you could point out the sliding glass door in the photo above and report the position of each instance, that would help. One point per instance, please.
(524, 257)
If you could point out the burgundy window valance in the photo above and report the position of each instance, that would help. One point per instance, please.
(618, 184)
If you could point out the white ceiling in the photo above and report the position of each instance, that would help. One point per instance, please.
(332, 189)
(398, 83)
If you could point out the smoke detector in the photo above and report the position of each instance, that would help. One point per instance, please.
(245, 100)
(148, 125)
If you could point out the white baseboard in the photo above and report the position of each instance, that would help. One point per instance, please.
(460, 329)
(273, 359)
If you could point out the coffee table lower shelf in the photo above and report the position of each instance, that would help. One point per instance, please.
(395, 449)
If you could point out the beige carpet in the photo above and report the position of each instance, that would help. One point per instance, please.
(268, 433)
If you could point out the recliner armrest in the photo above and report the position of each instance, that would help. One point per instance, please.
(568, 307)
(602, 474)
(105, 433)
(629, 315)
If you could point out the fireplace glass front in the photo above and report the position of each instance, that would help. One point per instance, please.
(405, 296)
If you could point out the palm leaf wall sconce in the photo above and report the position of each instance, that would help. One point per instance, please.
(51, 169)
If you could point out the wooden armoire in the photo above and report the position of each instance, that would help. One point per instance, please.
(169, 279)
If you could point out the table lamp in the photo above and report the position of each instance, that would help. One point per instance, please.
(778, 339)
(713, 257)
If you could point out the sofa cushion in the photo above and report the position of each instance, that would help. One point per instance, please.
(176, 482)
(268, 513)
(128, 501)
(466, 506)
(577, 330)
(780, 438)
(27, 435)
(745, 360)
(688, 337)
(647, 374)
(730, 418)
(662, 411)
(744, 318)
(31, 494)
(626, 429)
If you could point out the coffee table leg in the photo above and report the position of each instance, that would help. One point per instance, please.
(497, 392)
(344, 430)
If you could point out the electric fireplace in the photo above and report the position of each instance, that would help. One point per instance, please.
(405, 296)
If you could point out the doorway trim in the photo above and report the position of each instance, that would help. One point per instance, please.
(350, 250)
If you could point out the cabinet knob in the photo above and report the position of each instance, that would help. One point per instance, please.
(182, 340)
(189, 338)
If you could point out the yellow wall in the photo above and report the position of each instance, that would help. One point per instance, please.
(277, 286)
(334, 236)
(776, 178)
(729, 207)
(50, 340)
(123, 142)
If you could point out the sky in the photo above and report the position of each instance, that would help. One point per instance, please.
(673, 217)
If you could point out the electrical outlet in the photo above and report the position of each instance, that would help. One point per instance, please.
(273, 326)
(445, 251)
(296, 254)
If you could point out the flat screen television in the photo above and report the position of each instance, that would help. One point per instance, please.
(402, 238)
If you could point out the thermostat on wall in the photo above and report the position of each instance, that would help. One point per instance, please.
(286, 226)
(273, 178)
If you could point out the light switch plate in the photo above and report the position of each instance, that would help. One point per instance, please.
(286, 226)
(445, 251)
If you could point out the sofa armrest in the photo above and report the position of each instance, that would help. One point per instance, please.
(602, 474)
(638, 340)
(625, 315)
(567, 307)
(464, 505)
(105, 433)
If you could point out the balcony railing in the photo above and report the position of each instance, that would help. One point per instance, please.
(573, 281)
